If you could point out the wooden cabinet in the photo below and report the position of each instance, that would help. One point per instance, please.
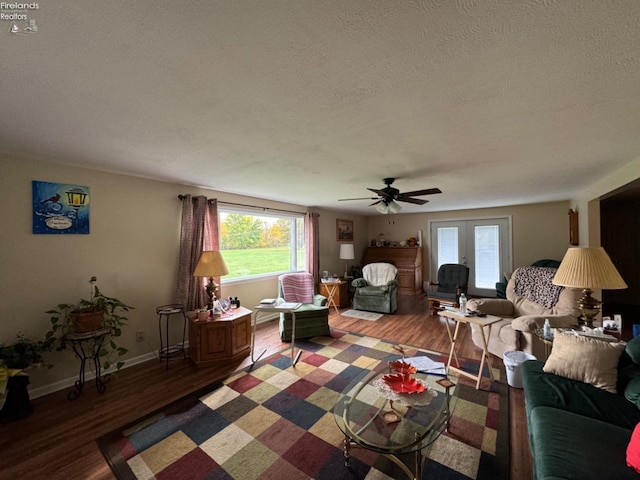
(341, 295)
(408, 261)
(225, 338)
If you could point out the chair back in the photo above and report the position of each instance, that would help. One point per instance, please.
(297, 287)
(380, 273)
(453, 276)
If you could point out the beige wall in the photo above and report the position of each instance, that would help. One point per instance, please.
(133, 245)
(538, 231)
(132, 249)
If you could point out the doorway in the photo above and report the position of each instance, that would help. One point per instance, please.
(483, 245)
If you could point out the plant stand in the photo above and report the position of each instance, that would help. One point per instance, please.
(87, 346)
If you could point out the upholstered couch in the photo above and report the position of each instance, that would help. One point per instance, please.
(531, 298)
(578, 430)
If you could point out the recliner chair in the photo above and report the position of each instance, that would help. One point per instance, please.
(531, 298)
(377, 290)
(453, 280)
(312, 317)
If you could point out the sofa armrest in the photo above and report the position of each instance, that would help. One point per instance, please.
(529, 323)
(392, 283)
(319, 300)
(359, 282)
(491, 306)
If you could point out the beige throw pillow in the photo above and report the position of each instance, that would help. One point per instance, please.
(585, 359)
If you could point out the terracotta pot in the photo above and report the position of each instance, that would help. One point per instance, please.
(84, 322)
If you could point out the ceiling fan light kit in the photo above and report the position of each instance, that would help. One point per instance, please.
(388, 197)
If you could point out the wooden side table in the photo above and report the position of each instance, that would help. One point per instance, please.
(222, 338)
(337, 294)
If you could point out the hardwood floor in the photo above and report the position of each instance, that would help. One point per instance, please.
(58, 440)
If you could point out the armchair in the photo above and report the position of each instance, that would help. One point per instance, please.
(453, 280)
(531, 298)
(376, 291)
(312, 318)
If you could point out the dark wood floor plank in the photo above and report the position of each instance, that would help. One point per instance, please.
(58, 440)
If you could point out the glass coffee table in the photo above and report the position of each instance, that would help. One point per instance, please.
(375, 417)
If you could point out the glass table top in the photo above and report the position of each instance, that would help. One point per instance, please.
(378, 418)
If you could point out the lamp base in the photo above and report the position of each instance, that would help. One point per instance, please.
(589, 306)
(212, 289)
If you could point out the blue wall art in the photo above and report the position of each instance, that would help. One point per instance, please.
(60, 208)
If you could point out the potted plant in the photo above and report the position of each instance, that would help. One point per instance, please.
(95, 315)
(25, 352)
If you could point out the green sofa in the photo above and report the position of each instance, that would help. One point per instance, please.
(578, 431)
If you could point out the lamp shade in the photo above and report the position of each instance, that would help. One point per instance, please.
(590, 268)
(382, 207)
(394, 207)
(346, 251)
(210, 264)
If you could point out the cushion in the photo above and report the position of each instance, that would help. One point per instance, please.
(297, 287)
(570, 446)
(544, 389)
(585, 359)
(633, 349)
(633, 450)
(379, 273)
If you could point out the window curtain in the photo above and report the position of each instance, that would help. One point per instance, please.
(198, 232)
(312, 240)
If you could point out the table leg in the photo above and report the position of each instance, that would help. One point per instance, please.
(485, 355)
(346, 451)
(452, 339)
(294, 357)
(253, 340)
(331, 292)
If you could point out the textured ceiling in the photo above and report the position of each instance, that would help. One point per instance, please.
(307, 102)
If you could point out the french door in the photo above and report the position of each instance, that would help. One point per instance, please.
(483, 245)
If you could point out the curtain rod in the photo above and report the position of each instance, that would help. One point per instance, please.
(265, 209)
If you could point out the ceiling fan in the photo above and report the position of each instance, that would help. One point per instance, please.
(387, 197)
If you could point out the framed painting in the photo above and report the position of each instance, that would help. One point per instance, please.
(573, 228)
(344, 230)
(60, 208)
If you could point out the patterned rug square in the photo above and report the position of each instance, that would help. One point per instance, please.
(274, 421)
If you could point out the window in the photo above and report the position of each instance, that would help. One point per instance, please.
(255, 245)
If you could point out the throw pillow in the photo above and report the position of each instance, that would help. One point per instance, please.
(585, 359)
(633, 450)
(633, 349)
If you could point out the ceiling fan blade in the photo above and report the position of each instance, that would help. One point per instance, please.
(417, 201)
(382, 193)
(418, 193)
(375, 203)
(361, 198)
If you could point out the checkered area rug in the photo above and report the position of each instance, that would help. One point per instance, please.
(275, 422)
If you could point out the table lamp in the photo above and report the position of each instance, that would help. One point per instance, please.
(588, 268)
(346, 253)
(211, 264)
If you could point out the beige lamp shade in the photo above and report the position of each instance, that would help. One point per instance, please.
(588, 268)
(346, 251)
(210, 264)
